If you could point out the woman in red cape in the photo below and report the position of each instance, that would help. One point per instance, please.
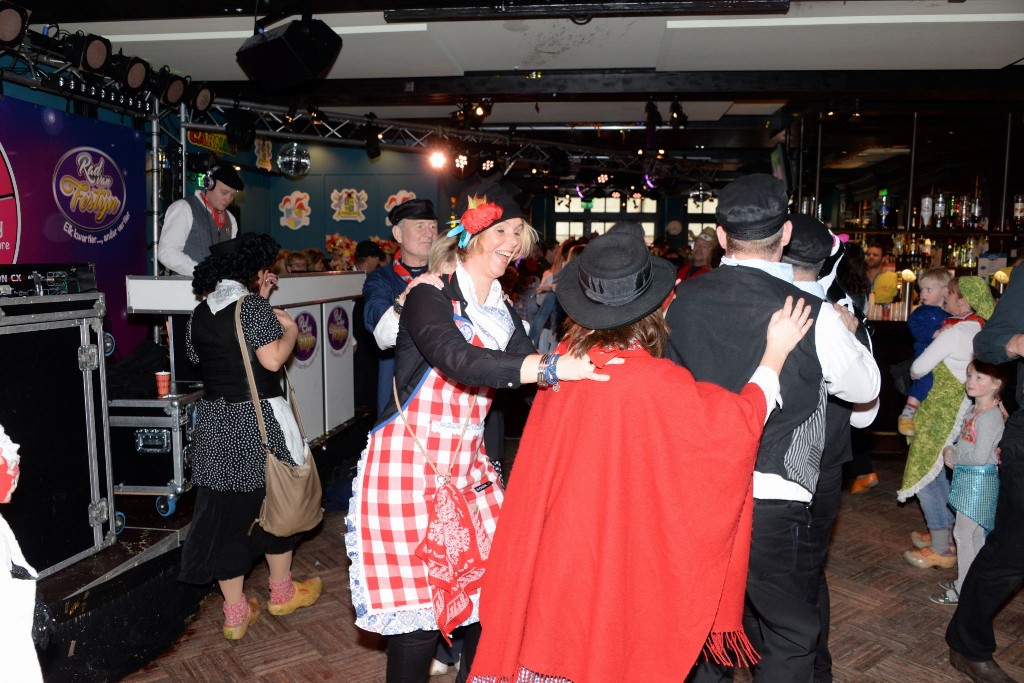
(622, 549)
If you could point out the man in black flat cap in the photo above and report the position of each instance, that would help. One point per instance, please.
(811, 246)
(414, 227)
(718, 322)
(193, 224)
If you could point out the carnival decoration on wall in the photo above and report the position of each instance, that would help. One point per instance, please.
(400, 197)
(215, 142)
(349, 204)
(295, 210)
(342, 250)
(389, 247)
(264, 154)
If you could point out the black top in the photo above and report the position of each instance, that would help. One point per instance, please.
(428, 337)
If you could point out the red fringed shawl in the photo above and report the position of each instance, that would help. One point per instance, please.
(625, 531)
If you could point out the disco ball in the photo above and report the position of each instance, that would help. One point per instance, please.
(293, 160)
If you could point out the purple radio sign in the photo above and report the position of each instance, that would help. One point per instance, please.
(338, 328)
(305, 345)
(90, 192)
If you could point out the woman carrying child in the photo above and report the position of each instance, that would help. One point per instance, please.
(969, 304)
(974, 461)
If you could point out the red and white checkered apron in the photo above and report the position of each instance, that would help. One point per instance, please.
(396, 485)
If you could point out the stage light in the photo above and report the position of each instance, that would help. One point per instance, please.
(678, 117)
(482, 110)
(653, 115)
(437, 160)
(167, 87)
(199, 96)
(131, 73)
(13, 23)
(602, 179)
(86, 51)
(371, 137)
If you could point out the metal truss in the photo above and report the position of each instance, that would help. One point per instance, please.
(506, 149)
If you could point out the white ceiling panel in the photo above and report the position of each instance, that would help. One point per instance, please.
(552, 44)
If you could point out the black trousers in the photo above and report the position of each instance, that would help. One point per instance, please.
(780, 614)
(409, 655)
(998, 571)
(824, 508)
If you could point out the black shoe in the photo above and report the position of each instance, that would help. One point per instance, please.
(979, 672)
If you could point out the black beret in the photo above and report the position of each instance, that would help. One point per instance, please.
(490, 192)
(810, 241)
(368, 248)
(415, 209)
(227, 174)
(752, 207)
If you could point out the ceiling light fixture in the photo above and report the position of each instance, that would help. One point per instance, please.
(371, 137)
(199, 97)
(167, 87)
(677, 117)
(86, 51)
(437, 160)
(132, 73)
(653, 116)
(13, 24)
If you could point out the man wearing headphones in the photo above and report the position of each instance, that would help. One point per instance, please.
(193, 224)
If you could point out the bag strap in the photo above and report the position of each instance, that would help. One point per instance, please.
(294, 401)
(441, 478)
(248, 373)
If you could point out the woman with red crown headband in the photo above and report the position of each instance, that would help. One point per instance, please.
(426, 498)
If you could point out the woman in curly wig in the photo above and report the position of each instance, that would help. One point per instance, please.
(228, 457)
(425, 499)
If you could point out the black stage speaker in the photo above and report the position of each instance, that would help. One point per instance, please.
(300, 51)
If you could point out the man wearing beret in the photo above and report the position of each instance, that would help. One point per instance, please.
(193, 224)
(414, 227)
(717, 324)
(811, 246)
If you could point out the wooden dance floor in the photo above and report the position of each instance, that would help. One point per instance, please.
(884, 628)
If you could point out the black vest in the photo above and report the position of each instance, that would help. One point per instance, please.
(204, 231)
(718, 323)
(221, 366)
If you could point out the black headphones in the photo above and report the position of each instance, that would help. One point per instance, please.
(209, 182)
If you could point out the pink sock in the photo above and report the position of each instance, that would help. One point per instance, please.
(281, 590)
(236, 614)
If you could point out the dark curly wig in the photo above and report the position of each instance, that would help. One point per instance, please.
(252, 254)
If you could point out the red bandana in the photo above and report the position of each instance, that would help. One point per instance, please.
(454, 551)
(219, 217)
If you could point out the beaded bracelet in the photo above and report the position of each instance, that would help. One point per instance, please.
(551, 371)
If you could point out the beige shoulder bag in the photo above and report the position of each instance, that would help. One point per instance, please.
(294, 495)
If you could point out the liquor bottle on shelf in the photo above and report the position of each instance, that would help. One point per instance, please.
(979, 218)
(950, 255)
(940, 212)
(1018, 213)
(883, 210)
(956, 213)
(927, 204)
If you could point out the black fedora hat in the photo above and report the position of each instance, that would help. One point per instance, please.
(614, 282)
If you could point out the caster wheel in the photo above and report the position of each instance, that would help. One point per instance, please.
(119, 522)
(165, 505)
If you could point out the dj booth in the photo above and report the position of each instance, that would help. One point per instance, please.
(321, 369)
